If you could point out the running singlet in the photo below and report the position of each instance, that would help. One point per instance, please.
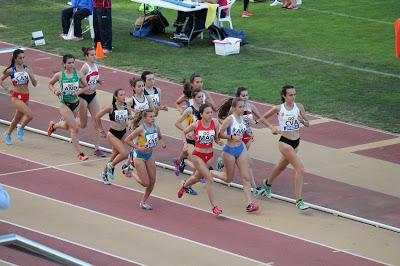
(92, 76)
(247, 117)
(119, 116)
(149, 139)
(238, 128)
(155, 97)
(204, 137)
(19, 78)
(288, 120)
(193, 117)
(136, 105)
(69, 87)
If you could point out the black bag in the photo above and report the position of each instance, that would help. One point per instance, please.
(160, 23)
(216, 33)
(236, 34)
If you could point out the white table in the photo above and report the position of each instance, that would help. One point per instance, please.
(168, 5)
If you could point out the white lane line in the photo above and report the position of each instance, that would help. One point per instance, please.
(348, 16)
(47, 166)
(134, 224)
(8, 263)
(66, 240)
(199, 209)
(361, 69)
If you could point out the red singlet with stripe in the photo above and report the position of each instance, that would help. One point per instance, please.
(204, 137)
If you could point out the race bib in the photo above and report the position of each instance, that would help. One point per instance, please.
(21, 78)
(205, 137)
(291, 123)
(69, 88)
(121, 116)
(93, 80)
(151, 140)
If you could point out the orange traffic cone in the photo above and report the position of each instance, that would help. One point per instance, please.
(99, 51)
(397, 37)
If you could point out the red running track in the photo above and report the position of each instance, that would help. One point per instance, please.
(318, 190)
(226, 234)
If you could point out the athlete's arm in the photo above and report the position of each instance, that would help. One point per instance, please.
(161, 107)
(267, 115)
(31, 76)
(129, 139)
(83, 84)
(190, 128)
(179, 102)
(302, 117)
(222, 131)
(99, 115)
(160, 137)
(53, 81)
(3, 77)
(217, 139)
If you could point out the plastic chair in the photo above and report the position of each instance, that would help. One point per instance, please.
(220, 21)
(90, 27)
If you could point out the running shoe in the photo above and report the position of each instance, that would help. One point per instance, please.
(276, 3)
(82, 157)
(182, 165)
(301, 205)
(145, 206)
(246, 14)
(182, 189)
(76, 39)
(220, 164)
(176, 165)
(252, 207)
(107, 51)
(8, 138)
(20, 134)
(259, 191)
(106, 181)
(110, 171)
(268, 191)
(99, 153)
(190, 191)
(63, 36)
(127, 170)
(51, 128)
(217, 211)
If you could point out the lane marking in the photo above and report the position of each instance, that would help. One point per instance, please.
(51, 166)
(68, 241)
(348, 16)
(372, 145)
(319, 121)
(328, 62)
(134, 224)
(10, 49)
(8, 263)
(199, 209)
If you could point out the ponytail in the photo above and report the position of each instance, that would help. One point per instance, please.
(223, 110)
(137, 119)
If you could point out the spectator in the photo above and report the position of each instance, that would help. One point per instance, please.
(200, 18)
(80, 9)
(102, 24)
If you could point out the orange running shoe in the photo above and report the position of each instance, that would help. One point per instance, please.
(82, 157)
(51, 128)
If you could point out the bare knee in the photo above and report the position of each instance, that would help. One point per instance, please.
(74, 129)
(125, 154)
(300, 170)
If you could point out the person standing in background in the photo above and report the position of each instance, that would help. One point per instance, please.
(80, 9)
(102, 23)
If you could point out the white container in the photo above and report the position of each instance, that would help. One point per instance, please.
(227, 46)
